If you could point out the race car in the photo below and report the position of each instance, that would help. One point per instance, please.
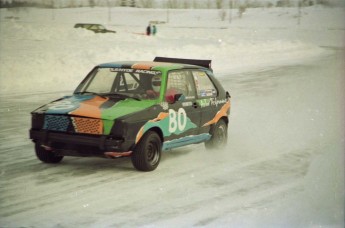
(136, 109)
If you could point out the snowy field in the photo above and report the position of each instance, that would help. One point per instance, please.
(41, 45)
(283, 167)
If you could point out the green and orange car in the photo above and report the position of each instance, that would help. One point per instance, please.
(136, 109)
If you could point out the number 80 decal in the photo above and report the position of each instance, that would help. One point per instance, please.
(61, 105)
(178, 120)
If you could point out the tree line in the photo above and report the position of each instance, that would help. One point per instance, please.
(172, 4)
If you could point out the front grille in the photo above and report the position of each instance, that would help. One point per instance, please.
(73, 124)
(56, 123)
(87, 125)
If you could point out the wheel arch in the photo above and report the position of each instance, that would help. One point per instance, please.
(218, 141)
(224, 118)
(142, 132)
(158, 131)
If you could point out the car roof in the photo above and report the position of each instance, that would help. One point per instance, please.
(144, 65)
(87, 24)
(152, 65)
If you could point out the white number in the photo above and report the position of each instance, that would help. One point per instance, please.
(173, 121)
(181, 119)
(60, 105)
(177, 120)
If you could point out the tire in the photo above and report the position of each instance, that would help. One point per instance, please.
(147, 153)
(46, 156)
(219, 136)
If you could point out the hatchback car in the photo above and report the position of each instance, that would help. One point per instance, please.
(135, 109)
(96, 28)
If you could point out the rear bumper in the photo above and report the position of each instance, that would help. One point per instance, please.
(102, 142)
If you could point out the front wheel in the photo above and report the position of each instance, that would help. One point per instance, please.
(219, 136)
(46, 156)
(147, 153)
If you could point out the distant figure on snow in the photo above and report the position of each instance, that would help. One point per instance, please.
(148, 30)
(154, 30)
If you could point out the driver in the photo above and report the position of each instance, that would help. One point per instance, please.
(156, 82)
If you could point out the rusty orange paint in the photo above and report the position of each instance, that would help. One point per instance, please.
(161, 115)
(146, 65)
(139, 135)
(117, 154)
(88, 125)
(222, 112)
(90, 108)
(142, 66)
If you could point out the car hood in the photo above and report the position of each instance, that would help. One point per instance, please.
(93, 106)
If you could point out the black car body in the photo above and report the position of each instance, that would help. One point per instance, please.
(96, 28)
(135, 109)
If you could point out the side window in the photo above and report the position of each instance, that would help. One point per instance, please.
(181, 82)
(204, 85)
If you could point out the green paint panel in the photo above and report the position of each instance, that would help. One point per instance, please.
(122, 108)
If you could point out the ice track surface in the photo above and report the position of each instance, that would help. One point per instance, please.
(283, 166)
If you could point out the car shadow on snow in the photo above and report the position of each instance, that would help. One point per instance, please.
(82, 167)
(88, 166)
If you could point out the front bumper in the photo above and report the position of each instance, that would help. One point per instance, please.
(103, 143)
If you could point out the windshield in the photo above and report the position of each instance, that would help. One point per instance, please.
(122, 82)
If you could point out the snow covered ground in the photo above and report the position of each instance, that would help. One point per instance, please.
(283, 167)
(41, 45)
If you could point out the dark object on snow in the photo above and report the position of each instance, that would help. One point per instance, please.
(154, 30)
(97, 28)
(148, 30)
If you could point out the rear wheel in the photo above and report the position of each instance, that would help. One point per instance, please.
(147, 153)
(219, 136)
(45, 155)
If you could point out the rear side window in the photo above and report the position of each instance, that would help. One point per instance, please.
(204, 85)
(182, 82)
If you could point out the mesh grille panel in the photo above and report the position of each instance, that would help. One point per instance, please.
(56, 123)
(88, 126)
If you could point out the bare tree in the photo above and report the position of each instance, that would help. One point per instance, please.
(231, 6)
(186, 4)
(172, 4)
(195, 4)
(208, 4)
(241, 10)
(222, 14)
(92, 3)
(219, 4)
(147, 3)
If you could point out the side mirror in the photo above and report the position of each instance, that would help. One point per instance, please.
(228, 94)
(179, 97)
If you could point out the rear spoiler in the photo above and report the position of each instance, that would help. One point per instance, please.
(198, 62)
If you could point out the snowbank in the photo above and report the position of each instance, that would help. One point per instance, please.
(41, 45)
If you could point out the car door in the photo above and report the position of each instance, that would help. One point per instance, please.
(206, 94)
(184, 113)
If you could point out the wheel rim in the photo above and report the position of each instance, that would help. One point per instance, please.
(221, 135)
(153, 153)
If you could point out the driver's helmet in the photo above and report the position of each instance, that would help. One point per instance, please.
(156, 83)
